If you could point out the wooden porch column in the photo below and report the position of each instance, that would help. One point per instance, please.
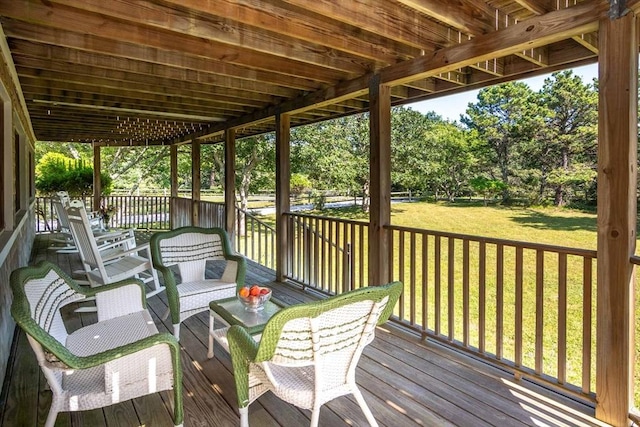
(617, 152)
(380, 176)
(97, 184)
(173, 167)
(195, 181)
(230, 183)
(173, 164)
(283, 178)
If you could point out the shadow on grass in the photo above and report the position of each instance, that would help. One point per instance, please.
(543, 221)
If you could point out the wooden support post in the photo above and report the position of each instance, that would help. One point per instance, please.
(97, 183)
(380, 176)
(230, 183)
(617, 152)
(173, 162)
(173, 165)
(283, 178)
(195, 182)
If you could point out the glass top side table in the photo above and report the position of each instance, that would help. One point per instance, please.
(232, 312)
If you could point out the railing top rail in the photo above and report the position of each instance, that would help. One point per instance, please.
(345, 221)
(588, 253)
(250, 215)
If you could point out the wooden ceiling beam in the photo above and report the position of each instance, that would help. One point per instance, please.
(380, 17)
(554, 26)
(538, 7)
(180, 22)
(469, 17)
(536, 32)
(30, 54)
(284, 20)
(128, 84)
(85, 46)
(58, 17)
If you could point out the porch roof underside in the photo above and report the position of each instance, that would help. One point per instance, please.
(129, 72)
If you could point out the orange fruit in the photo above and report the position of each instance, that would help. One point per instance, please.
(244, 292)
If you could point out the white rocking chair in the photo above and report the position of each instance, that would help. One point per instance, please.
(103, 267)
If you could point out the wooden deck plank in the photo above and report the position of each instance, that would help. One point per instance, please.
(23, 387)
(405, 382)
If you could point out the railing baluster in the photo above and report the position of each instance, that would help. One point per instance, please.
(412, 278)
(587, 285)
(401, 277)
(437, 279)
(482, 297)
(425, 285)
(465, 293)
(539, 310)
(518, 314)
(451, 256)
(499, 300)
(562, 318)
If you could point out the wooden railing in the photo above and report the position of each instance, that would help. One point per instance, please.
(253, 238)
(327, 254)
(141, 212)
(528, 307)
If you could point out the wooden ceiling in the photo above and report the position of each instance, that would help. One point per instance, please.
(157, 72)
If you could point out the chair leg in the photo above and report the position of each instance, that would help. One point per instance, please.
(176, 331)
(51, 417)
(210, 348)
(315, 416)
(244, 416)
(364, 407)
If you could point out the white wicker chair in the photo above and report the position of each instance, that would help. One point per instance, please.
(308, 353)
(121, 357)
(103, 266)
(189, 249)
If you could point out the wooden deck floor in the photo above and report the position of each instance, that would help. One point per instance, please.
(406, 382)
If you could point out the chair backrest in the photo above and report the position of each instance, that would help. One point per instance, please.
(83, 236)
(39, 294)
(329, 334)
(189, 248)
(61, 212)
(63, 196)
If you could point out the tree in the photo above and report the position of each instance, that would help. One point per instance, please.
(299, 183)
(254, 165)
(569, 156)
(505, 117)
(56, 172)
(334, 154)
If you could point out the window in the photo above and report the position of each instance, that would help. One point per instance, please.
(17, 172)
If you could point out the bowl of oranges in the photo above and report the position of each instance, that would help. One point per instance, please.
(253, 297)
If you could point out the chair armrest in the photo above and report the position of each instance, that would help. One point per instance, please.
(119, 254)
(120, 298)
(243, 349)
(115, 235)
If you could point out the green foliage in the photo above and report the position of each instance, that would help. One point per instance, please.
(506, 117)
(299, 183)
(489, 188)
(318, 199)
(56, 172)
